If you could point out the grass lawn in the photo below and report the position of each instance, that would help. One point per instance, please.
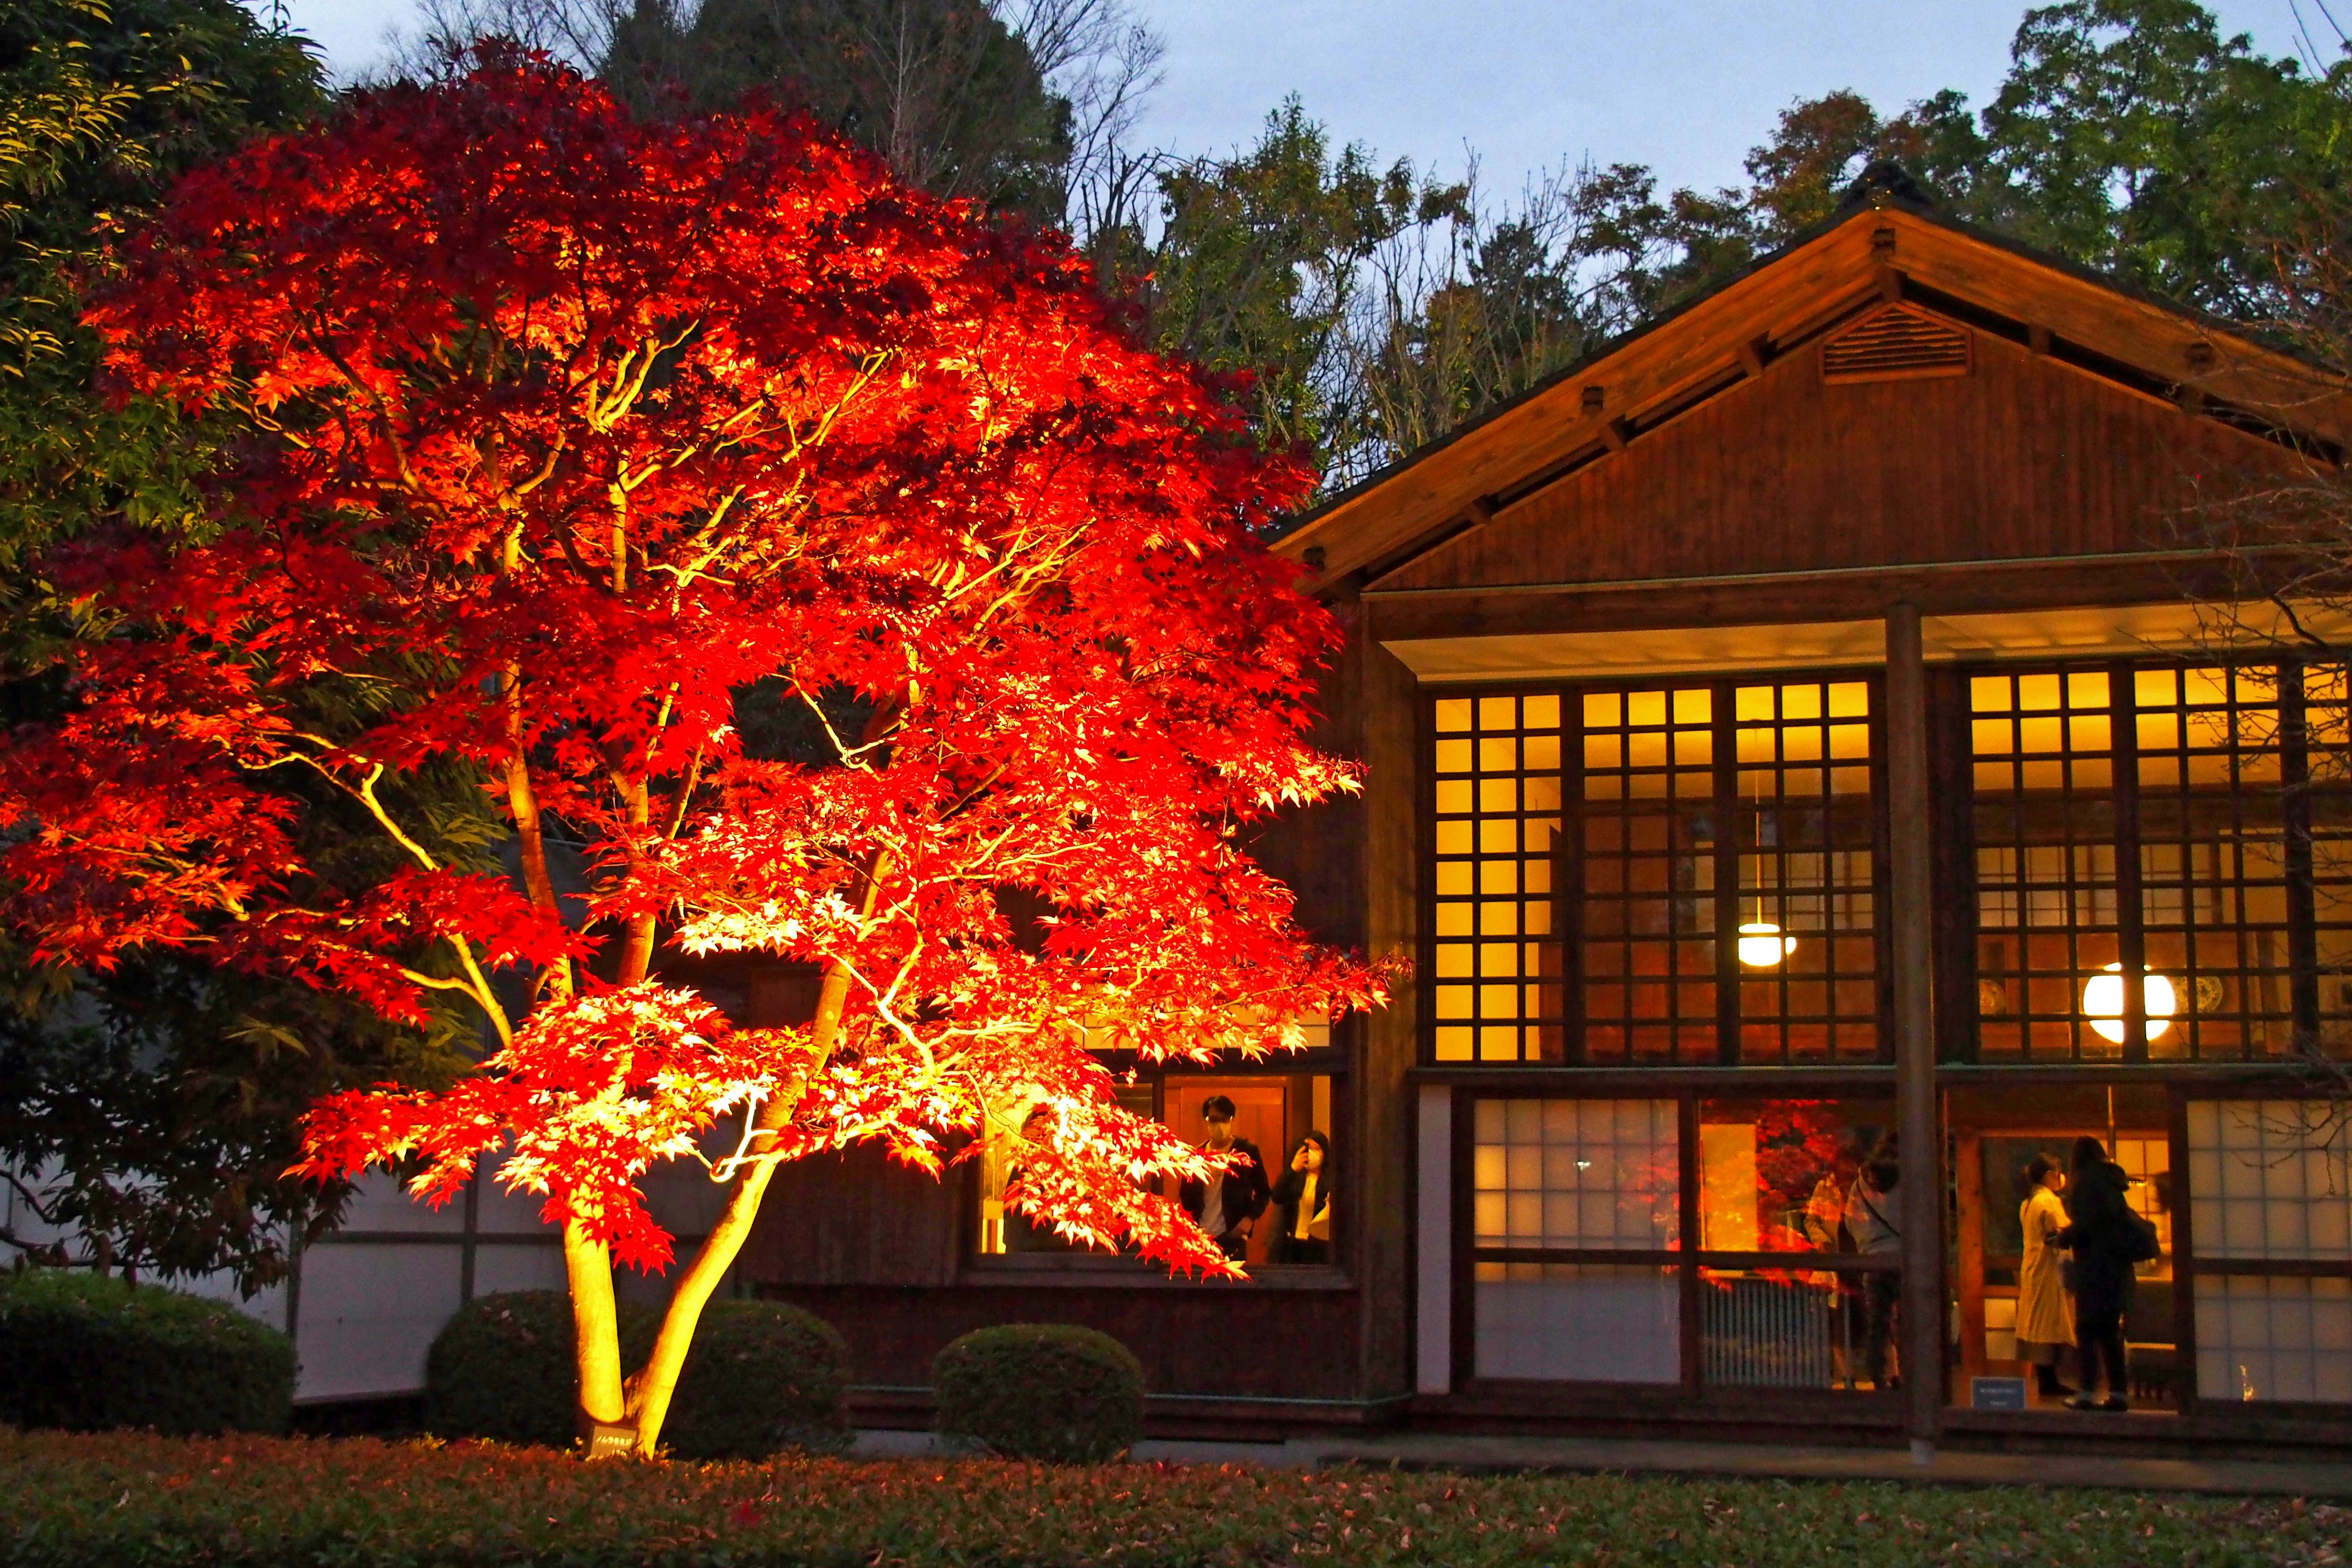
(126, 1499)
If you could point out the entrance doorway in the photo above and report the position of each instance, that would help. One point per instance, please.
(1999, 1139)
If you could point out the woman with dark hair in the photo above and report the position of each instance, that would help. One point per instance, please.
(1872, 1218)
(2044, 1323)
(2105, 1239)
(1302, 1201)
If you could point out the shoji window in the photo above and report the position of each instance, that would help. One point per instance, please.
(1577, 1227)
(2271, 1228)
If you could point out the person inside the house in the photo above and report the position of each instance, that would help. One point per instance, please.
(1823, 1226)
(2044, 1321)
(1872, 1210)
(1228, 1208)
(2106, 1238)
(1824, 1211)
(1302, 1204)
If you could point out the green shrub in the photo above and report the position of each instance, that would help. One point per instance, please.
(762, 1377)
(505, 1367)
(1041, 1390)
(132, 1500)
(83, 1351)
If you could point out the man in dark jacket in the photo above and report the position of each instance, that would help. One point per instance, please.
(1229, 1212)
(2104, 1237)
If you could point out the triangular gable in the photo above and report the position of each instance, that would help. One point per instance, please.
(1851, 273)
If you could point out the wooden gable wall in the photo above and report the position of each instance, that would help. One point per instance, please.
(2021, 459)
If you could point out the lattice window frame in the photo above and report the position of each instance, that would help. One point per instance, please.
(1719, 1013)
(2152, 749)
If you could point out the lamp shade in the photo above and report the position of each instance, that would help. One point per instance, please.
(2103, 1003)
(1762, 945)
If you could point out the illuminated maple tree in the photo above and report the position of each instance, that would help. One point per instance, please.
(584, 441)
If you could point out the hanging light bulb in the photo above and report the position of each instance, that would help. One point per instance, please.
(1762, 945)
(2103, 1003)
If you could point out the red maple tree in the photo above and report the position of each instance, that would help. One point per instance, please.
(584, 440)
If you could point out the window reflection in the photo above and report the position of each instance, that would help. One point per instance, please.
(1281, 1206)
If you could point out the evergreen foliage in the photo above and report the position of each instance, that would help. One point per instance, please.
(157, 1096)
(948, 94)
(1053, 1392)
(762, 1377)
(87, 1352)
(503, 1368)
(1380, 309)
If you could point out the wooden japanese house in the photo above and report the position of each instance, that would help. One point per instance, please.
(1787, 731)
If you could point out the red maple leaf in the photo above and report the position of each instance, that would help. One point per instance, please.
(582, 432)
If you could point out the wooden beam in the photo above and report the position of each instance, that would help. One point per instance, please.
(1616, 433)
(1911, 851)
(2037, 338)
(1890, 285)
(1752, 357)
(1940, 588)
(2121, 326)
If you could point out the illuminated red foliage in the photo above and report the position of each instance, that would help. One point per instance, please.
(577, 430)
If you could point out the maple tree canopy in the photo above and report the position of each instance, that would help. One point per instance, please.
(577, 431)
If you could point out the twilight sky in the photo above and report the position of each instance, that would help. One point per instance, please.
(1685, 86)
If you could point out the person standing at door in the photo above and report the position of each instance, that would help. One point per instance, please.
(2105, 1236)
(2043, 1322)
(1870, 1214)
(1227, 1208)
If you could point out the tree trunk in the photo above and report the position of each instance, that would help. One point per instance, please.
(650, 1393)
(650, 1396)
(655, 1385)
(588, 1267)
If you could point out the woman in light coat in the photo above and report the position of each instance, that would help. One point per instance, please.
(2045, 1319)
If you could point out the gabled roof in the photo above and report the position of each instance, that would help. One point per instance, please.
(1887, 243)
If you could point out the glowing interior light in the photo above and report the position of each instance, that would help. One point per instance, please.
(1762, 945)
(2103, 1003)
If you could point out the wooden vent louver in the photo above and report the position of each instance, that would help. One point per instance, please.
(1896, 343)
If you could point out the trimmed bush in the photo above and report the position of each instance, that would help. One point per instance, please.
(87, 1352)
(1041, 1390)
(760, 1378)
(505, 1367)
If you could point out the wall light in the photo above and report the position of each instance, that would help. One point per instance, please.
(2103, 1003)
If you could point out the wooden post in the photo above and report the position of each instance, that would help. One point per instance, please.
(1910, 852)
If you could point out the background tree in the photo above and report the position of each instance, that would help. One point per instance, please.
(580, 429)
(1256, 267)
(145, 1112)
(1463, 315)
(105, 103)
(1022, 105)
(2132, 136)
(944, 91)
